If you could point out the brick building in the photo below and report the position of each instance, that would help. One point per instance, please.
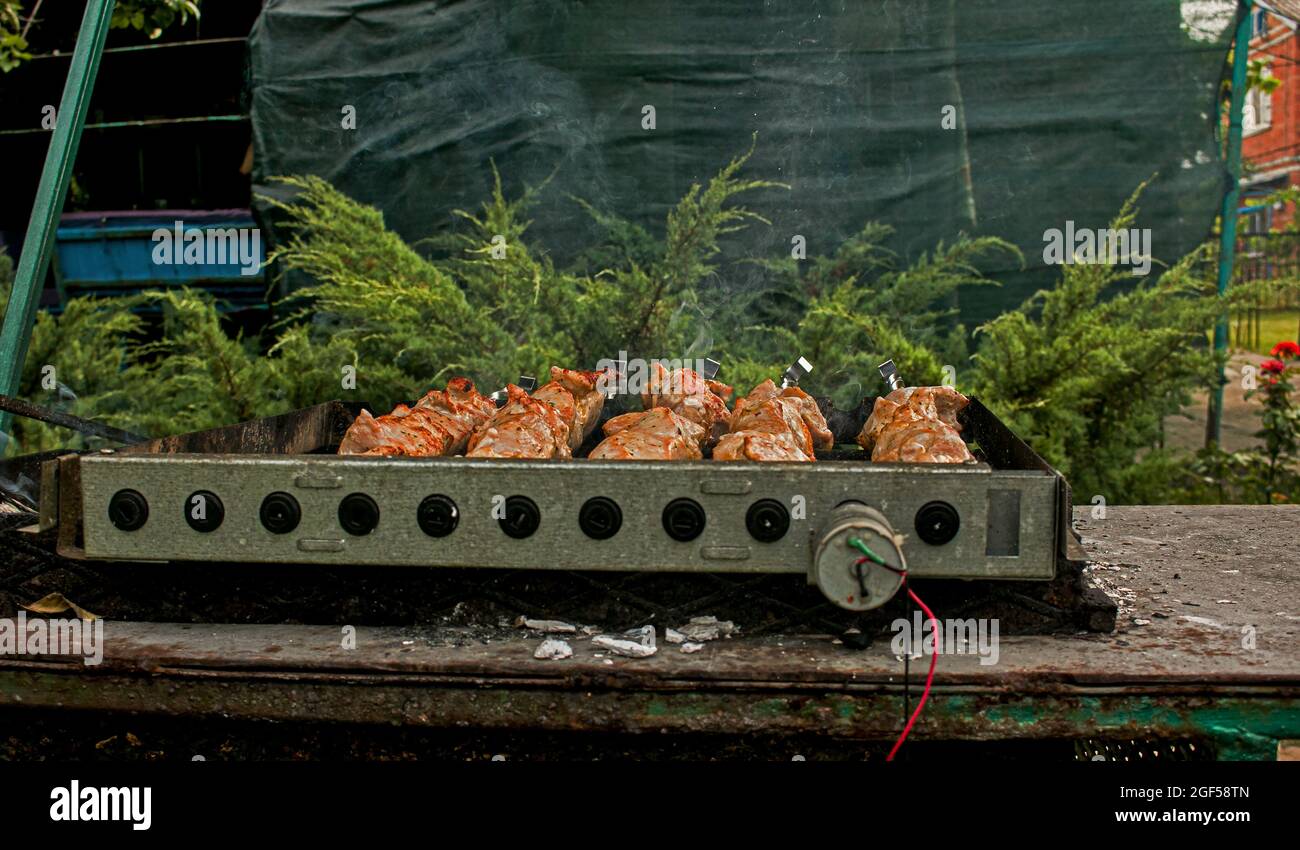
(1271, 121)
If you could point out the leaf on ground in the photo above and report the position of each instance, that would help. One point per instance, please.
(57, 603)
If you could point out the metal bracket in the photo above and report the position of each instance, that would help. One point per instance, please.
(889, 372)
(797, 370)
(527, 383)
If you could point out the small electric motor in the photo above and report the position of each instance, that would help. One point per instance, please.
(847, 577)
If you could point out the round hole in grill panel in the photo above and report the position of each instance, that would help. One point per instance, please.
(438, 515)
(280, 513)
(600, 518)
(204, 511)
(767, 520)
(522, 517)
(937, 523)
(684, 519)
(128, 510)
(358, 514)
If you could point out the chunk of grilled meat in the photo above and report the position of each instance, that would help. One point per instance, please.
(438, 424)
(552, 422)
(588, 401)
(655, 434)
(823, 439)
(691, 396)
(770, 425)
(916, 425)
(534, 426)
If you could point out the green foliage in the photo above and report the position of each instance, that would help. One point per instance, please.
(647, 297)
(13, 45)
(851, 311)
(402, 321)
(1279, 452)
(490, 307)
(1086, 376)
(149, 16)
(153, 16)
(1260, 76)
(87, 348)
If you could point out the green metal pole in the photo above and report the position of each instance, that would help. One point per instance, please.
(1228, 215)
(38, 244)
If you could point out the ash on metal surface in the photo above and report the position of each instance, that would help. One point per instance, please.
(634, 643)
(707, 628)
(553, 649)
(547, 626)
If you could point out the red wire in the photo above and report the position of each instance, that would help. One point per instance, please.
(929, 679)
(934, 656)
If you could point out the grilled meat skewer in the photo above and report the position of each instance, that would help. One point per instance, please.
(527, 426)
(691, 396)
(770, 431)
(772, 424)
(916, 425)
(550, 423)
(655, 434)
(823, 439)
(588, 401)
(440, 423)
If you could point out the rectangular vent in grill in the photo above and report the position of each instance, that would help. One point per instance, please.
(1002, 535)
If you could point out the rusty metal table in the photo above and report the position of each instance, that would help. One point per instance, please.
(1207, 650)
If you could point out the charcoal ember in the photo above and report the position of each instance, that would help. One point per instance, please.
(689, 647)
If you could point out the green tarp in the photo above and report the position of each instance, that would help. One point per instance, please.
(1060, 109)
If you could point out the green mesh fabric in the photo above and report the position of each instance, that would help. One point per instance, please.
(1062, 108)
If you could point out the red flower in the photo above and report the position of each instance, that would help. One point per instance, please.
(1286, 348)
(1272, 366)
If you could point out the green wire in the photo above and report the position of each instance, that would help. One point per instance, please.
(857, 543)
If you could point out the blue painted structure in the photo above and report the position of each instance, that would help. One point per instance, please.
(112, 253)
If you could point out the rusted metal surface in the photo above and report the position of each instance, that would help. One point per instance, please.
(297, 432)
(68, 495)
(524, 704)
(1177, 665)
(1032, 664)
